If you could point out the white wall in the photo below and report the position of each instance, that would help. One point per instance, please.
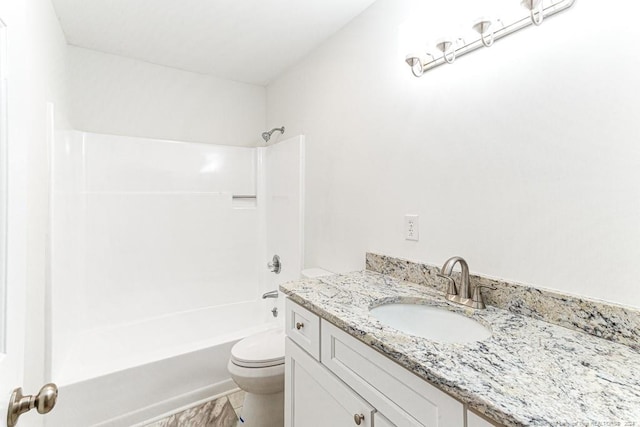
(115, 95)
(523, 158)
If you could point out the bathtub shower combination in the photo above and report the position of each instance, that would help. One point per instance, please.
(158, 262)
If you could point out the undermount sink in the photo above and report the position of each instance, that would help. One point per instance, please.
(433, 323)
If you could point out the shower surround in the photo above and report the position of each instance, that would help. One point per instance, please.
(157, 269)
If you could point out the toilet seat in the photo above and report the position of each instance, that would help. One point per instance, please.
(261, 350)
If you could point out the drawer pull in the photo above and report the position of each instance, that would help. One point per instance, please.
(299, 325)
(358, 418)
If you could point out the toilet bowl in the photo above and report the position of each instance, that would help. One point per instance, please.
(257, 367)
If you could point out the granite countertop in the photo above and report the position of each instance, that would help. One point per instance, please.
(528, 373)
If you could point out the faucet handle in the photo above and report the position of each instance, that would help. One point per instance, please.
(451, 289)
(477, 301)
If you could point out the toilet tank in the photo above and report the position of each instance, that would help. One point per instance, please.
(314, 273)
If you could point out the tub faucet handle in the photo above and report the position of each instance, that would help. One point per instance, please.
(275, 266)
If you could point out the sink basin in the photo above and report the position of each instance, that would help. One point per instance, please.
(431, 322)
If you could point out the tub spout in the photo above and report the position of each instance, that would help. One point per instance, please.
(271, 294)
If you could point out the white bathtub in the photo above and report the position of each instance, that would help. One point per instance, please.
(128, 374)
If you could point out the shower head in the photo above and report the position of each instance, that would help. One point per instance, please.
(267, 135)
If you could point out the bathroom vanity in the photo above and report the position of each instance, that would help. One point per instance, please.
(345, 368)
(334, 378)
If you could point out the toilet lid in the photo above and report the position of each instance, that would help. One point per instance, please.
(260, 350)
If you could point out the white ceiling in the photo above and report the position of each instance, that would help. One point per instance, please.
(251, 41)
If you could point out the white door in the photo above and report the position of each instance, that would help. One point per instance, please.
(15, 122)
(12, 237)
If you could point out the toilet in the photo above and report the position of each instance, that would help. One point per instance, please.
(257, 367)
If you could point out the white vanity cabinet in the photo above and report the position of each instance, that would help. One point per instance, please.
(349, 383)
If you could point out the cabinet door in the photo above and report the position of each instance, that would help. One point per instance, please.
(474, 420)
(380, 421)
(316, 398)
(400, 395)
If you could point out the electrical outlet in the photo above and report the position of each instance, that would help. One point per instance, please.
(411, 228)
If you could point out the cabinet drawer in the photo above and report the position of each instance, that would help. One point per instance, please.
(404, 398)
(303, 327)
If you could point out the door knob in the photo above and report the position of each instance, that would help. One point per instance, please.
(44, 402)
(358, 419)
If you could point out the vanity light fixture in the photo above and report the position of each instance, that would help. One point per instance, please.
(447, 45)
(489, 30)
(535, 9)
(483, 26)
(417, 63)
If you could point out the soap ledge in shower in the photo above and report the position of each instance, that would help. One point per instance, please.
(244, 202)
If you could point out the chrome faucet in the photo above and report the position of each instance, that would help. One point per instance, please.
(464, 296)
(447, 269)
